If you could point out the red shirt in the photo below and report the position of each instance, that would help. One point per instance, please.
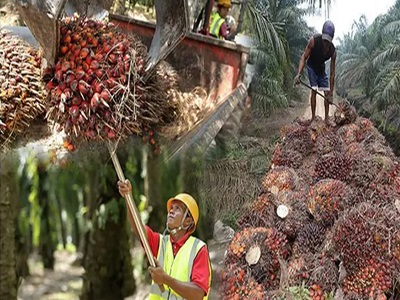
(200, 272)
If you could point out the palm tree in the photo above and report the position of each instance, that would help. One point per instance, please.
(281, 36)
(8, 278)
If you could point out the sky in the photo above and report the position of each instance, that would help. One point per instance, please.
(344, 12)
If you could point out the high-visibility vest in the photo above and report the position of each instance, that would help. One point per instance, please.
(179, 267)
(216, 23)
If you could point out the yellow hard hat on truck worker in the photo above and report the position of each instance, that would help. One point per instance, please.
(225, 3)
(190, 204)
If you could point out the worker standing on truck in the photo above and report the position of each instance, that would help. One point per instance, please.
(219, 27)
(320, 49)
(183, 261)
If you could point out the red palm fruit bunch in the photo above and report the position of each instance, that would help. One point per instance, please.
(319, 128)
(368, 133)
(309, 239)
(348, 133)
(292, 129)
(259, 250)
(379, 148)
(391, 176)
(317, 293)
(296, 137)
(286, 157)
(242, 240)
(328, 142)
(365, 170)
(296, 203)
(334, 165)
(372, 280)
(237, 285)
(379, 194)
(259, 213)
(318, 273)
(368, 232)
(280, 179)
(325, 275)
(267, 270)
(96, 87)
(299, 268)
(355, 150)
(327, 198)
(22, 95)
(345, 114)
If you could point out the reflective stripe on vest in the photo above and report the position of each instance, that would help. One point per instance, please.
(215, 26)
(183, 268)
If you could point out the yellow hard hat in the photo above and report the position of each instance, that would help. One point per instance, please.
(224, 3)
(190, 203)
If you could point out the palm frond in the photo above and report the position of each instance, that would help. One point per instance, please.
(390, 53)
(266, 31)
(393, 28)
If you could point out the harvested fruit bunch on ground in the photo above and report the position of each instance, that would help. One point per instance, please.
(370, 281)
(22, 95)
(96, 87)
(243, 241)
(280, 179)
(345, 113)
(319, 128)
(391, 176)
(324, 275)
(368, 133)
(319, 274)
(259, 214)
(327, 198)
(299, 268)
(286, 157)
(237, 285)
(367, 232)
(355, 150)
(309, 238)
(334, 165)
(297, 216)
(259, 250)
(328, 142)
(296, 137)
(378, 194)
(348, 133)
(317, 293)
(267, 270)
(365, 170)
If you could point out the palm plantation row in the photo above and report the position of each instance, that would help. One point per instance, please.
(369, 70)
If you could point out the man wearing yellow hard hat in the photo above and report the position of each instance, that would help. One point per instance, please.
(184, 262)
(219, 28)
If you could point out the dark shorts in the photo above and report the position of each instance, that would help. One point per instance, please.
(319, 81)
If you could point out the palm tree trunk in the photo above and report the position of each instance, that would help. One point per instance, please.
(107, 262)
(46, 246)
(8, 277)
(62, 226)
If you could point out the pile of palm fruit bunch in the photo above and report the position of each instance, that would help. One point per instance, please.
(98, 91)
(22, 94)
(327, 221)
